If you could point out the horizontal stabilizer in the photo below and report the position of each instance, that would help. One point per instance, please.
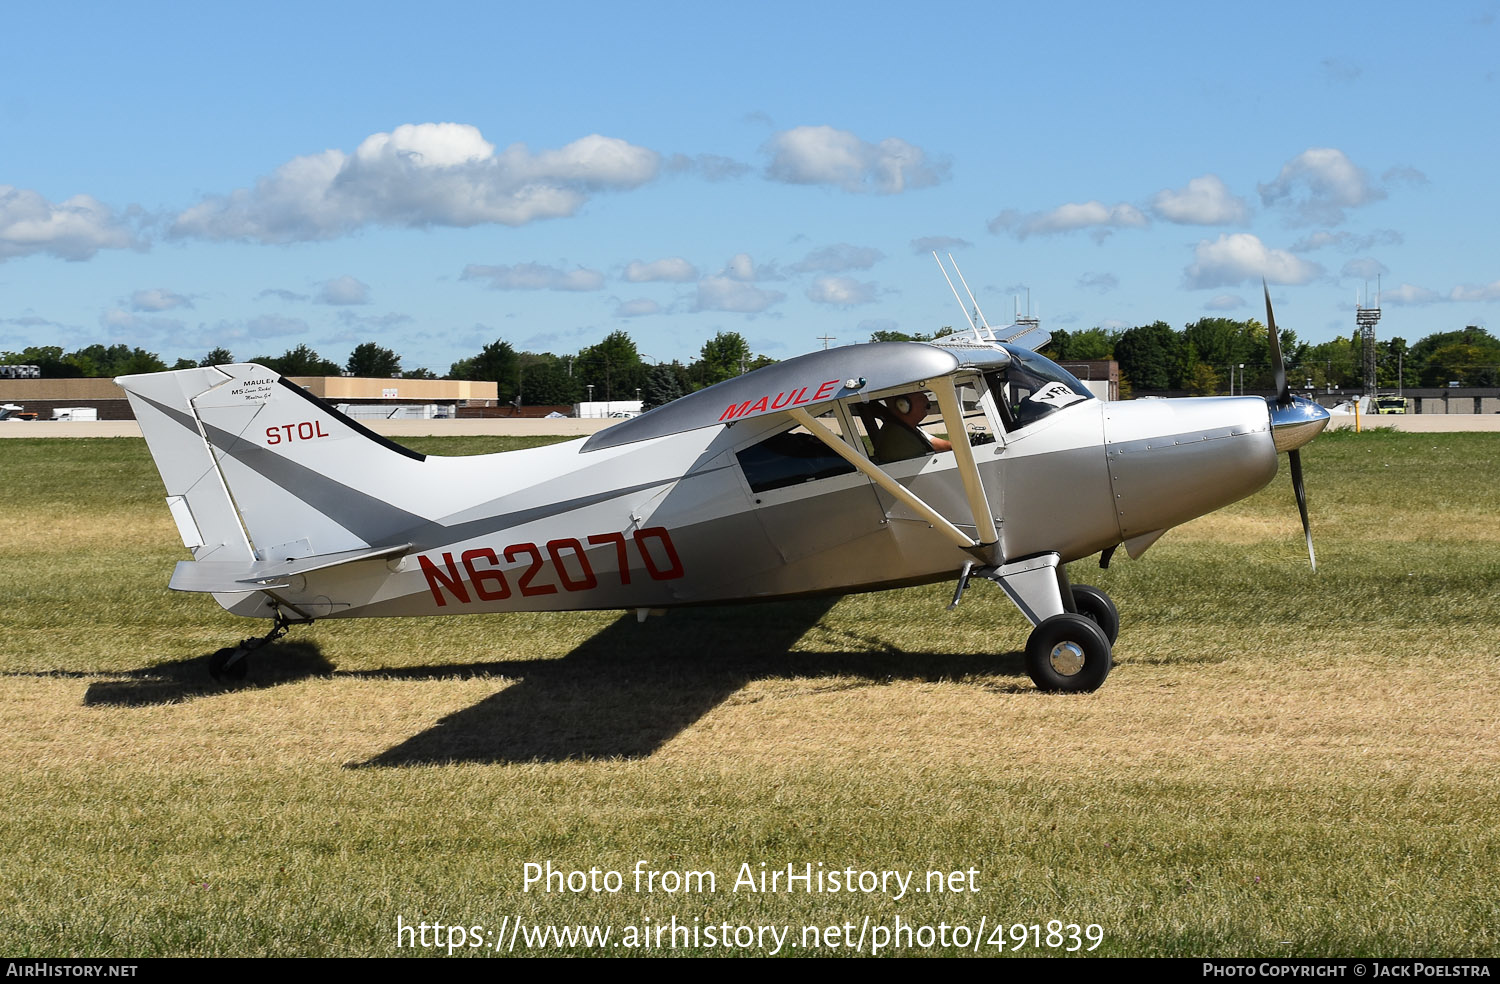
(230, 577)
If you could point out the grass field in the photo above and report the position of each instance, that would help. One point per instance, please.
(1282, 763)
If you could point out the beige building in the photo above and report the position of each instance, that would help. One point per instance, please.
(42, 396)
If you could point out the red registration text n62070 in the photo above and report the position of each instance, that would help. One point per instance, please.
(563, 564)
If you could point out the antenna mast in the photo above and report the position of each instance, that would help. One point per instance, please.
(1366, 318)
(974, 324)
(1030, 321)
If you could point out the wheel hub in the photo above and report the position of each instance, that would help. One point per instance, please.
(1067, 658)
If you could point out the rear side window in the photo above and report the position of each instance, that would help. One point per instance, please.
(792, 457)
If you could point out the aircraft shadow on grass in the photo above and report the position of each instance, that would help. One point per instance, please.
(631, 688)
(623, 693)
(184, 679)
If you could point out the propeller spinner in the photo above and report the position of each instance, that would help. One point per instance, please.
(1294, 422)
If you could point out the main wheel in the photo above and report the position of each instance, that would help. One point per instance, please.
(1096, 606)
(1068, 653)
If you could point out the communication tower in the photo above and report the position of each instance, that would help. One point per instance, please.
(1028, 320)
(1366, 318)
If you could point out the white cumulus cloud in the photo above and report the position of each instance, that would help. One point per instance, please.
(1479, 292)
(158, 299)
(343, 290)
(838, 258)
(730, 294)
(1237, 257)
(1205, 201)
(534, 276)
(1347, 242)
(1317, 186)
(673, 269)
(1102, 218)
(75, 229)
(273, 326)
(934, 244)
(423, 174)
(843, 291)
(828, 156)
(636, 308)
(1225, 302)
(742, 267)
(1102, 282)
(1409, 294)
(1365, 268)
(1462, 294)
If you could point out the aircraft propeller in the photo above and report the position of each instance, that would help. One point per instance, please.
(1294, 422)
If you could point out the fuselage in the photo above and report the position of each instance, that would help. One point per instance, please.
(676, 520)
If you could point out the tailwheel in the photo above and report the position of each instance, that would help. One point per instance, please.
(230, 663)
(1068, 653)
(1095, 605)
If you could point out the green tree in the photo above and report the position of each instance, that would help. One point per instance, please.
(1335, 364)
(662, 387)
(722, 357)
(1468, 356)
(1202, 380)
(422, 373)
(374, 362)
(1150, 356)
(546, 380)
(613, 367)
(299, 361)
(114, 360)
(47, 358)
(899, 336)
(496, 362)
(1088, 345)
(218, 357)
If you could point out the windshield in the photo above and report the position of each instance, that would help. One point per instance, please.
(1033, 387)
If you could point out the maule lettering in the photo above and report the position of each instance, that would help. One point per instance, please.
(782, 400)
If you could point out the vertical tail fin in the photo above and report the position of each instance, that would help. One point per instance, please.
(200, 502)
(256, 468)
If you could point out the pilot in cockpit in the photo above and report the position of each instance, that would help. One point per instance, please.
(895, 428)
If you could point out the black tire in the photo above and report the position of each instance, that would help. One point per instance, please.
(1068, 653)
(1095, 605)
(220, 667)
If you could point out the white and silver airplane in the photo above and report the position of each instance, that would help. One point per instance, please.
(814, 476)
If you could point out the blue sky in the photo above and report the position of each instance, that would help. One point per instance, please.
(433, 177)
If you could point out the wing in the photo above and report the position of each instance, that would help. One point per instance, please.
(804, 383)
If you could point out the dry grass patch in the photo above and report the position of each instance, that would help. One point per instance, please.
(1277, 756)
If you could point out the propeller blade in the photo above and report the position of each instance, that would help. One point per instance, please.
(1295, 457)
(1278, 367)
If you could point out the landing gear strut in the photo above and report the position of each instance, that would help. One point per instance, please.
(1069, 648)
(232, 662)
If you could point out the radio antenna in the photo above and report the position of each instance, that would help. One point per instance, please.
(967, 316)
(982, 319)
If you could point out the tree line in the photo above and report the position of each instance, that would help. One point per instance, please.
(1201, 357)
(1198, 359)
(612, 369)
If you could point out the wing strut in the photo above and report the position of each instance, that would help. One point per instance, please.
(968, 469)
(880, 478)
